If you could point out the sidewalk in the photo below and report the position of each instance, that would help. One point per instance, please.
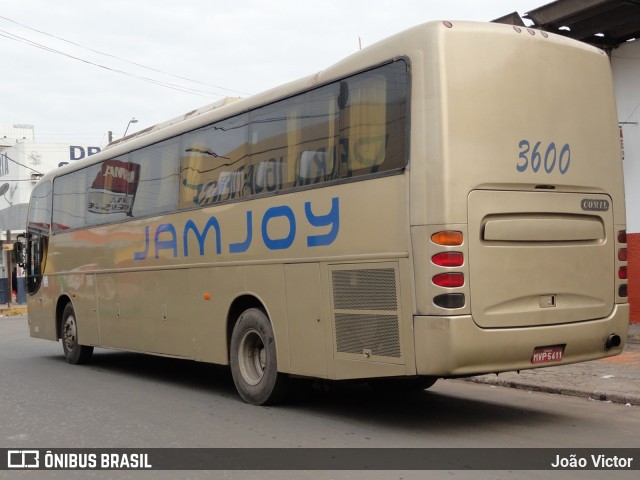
(613, 379)
(12, 310)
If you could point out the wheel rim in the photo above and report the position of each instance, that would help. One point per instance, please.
(252, 357)
(69, 332)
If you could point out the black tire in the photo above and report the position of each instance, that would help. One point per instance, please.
(74, 353)
(253, 360)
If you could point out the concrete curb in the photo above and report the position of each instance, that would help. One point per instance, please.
(633, 333)
(611, 379)
(627, 399)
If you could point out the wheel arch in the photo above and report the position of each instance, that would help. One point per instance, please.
(62, 302)
(239, 305)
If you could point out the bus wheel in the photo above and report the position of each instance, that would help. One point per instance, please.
(253, 360)
(74, 353)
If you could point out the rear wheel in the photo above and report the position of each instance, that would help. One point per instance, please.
(253, 360)
(74, 353)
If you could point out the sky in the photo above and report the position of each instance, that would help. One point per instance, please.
(76, 69)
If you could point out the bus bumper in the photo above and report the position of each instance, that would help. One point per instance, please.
(456, 346)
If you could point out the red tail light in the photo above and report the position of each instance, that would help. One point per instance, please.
(622, 236)
(622, 273)
(448, 259)
(622, 257)
(449, 280)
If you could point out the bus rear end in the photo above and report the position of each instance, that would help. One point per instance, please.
(517, 203)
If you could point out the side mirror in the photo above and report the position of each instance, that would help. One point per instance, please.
(19, 256)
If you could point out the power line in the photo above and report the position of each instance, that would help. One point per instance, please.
(21, 164)
(193, 91)
(122, 59)
(180, 88)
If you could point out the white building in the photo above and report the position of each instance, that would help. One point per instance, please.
(23, 161)
(625, 64)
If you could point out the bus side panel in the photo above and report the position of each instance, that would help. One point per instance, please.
(81, 289)
(268, 283)
(207, 319)
(41, 309)
(306, 321)
(223, 285)
(142, 311)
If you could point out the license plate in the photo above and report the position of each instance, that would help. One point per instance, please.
(548, 354)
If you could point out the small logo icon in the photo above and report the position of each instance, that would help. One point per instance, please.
(23, 459)
(594, 205)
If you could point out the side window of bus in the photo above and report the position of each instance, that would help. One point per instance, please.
(316, 140)
(397, 115)
(156, 190)
(269, 164)
(293, 142)
(373, 120)
(40, 207)
(212, 163)
(38, 222)
(36, 258)
(111, 188)
(353, 127)
(69, 201)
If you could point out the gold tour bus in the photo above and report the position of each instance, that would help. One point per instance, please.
(445, 203)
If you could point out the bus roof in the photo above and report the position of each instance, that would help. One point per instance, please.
(408, 43)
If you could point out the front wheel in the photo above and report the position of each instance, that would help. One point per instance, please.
(253, 360)
(74, 353)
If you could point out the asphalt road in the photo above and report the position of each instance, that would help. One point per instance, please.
(137, 401)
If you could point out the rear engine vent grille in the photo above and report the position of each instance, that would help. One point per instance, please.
(370, 289)
(377, 334)
(365, 311)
